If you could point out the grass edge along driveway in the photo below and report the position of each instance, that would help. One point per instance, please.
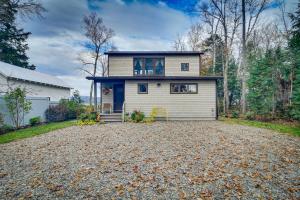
(281, 128)
(33, 131)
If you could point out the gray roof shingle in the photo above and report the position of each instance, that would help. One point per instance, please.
(14, 72)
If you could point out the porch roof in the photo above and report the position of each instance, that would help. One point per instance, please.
(150, 78)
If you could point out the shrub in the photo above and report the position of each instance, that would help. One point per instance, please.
(137, 116)
(73, 108)
(35, 121)
(56, 113)
(235, 114)
(1, 120)
(88, 116)
(6, 128)
(65, 110)
(17, 105)
(250, 115)
(87, 122)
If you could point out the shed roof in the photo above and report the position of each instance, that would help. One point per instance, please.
(19, 73)
(126, 53)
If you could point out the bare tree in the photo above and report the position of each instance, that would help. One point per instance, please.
(228, 13)
(179, 43)
(253, 10)
(99, 36)
(213, 24)
(195, 37)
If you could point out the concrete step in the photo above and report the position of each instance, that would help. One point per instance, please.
(112, 114)
(114, 117)
(111, 120)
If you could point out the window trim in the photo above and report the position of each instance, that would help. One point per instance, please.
(188, 67)
(138, 88)
(144, 65)
(184, 92)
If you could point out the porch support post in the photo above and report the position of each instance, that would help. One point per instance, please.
(95, 95)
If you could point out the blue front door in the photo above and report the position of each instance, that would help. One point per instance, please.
(118, 91)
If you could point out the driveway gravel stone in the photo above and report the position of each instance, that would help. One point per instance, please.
(162, 160)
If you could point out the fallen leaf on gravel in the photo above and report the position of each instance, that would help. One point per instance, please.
(206, 195)
(135, 169)
(120, 189)
(2, 174)
(182, 195)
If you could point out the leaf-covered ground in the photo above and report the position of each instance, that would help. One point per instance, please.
(163, 160)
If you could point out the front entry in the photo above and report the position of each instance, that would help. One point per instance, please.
(118, 91)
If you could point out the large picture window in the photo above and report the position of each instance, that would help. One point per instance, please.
(148, 66)
(183, 88)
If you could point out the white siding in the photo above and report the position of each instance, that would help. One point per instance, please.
(108, 98)
(173, 65)
(120, 65)
(123, 65)
(179, 106)
(36, 90)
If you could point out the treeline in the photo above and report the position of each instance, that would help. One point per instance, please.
(262, 77)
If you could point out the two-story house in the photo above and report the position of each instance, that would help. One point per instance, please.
(143, 80)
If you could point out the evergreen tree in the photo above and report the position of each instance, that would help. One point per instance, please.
(261, 85)
(234, 85)
(13, 44)
(294, 45)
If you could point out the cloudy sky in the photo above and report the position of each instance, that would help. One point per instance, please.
(58, 39)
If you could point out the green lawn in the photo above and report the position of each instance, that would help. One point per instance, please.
(282, 128)
(33, 131)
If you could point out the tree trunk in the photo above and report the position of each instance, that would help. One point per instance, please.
(226, 93)
(225, 72)
(214, 55)
(244, 62)
(291, 90)
(91, 93)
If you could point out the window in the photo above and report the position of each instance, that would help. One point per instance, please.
(142, 88)
(138, 64)
(185, 67)
(183, 88)
(148, 66)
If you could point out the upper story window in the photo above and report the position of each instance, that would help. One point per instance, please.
(185, 67)
(148, 66)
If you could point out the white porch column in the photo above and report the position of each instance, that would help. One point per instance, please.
(95, 95)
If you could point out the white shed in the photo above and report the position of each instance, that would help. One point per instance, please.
(36, 83)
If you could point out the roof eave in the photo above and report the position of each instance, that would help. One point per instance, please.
(131, 53)
(153, 78)
(40, 83)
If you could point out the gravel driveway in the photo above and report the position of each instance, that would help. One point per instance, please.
(163, 160)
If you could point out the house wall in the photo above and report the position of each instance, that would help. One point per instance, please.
(179, 106)
(108, 98)
(123, 65)
(36, 90)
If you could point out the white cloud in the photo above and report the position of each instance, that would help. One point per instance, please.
(77, 82)
(56, 40)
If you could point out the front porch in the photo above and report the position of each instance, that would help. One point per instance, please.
(111, 94)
